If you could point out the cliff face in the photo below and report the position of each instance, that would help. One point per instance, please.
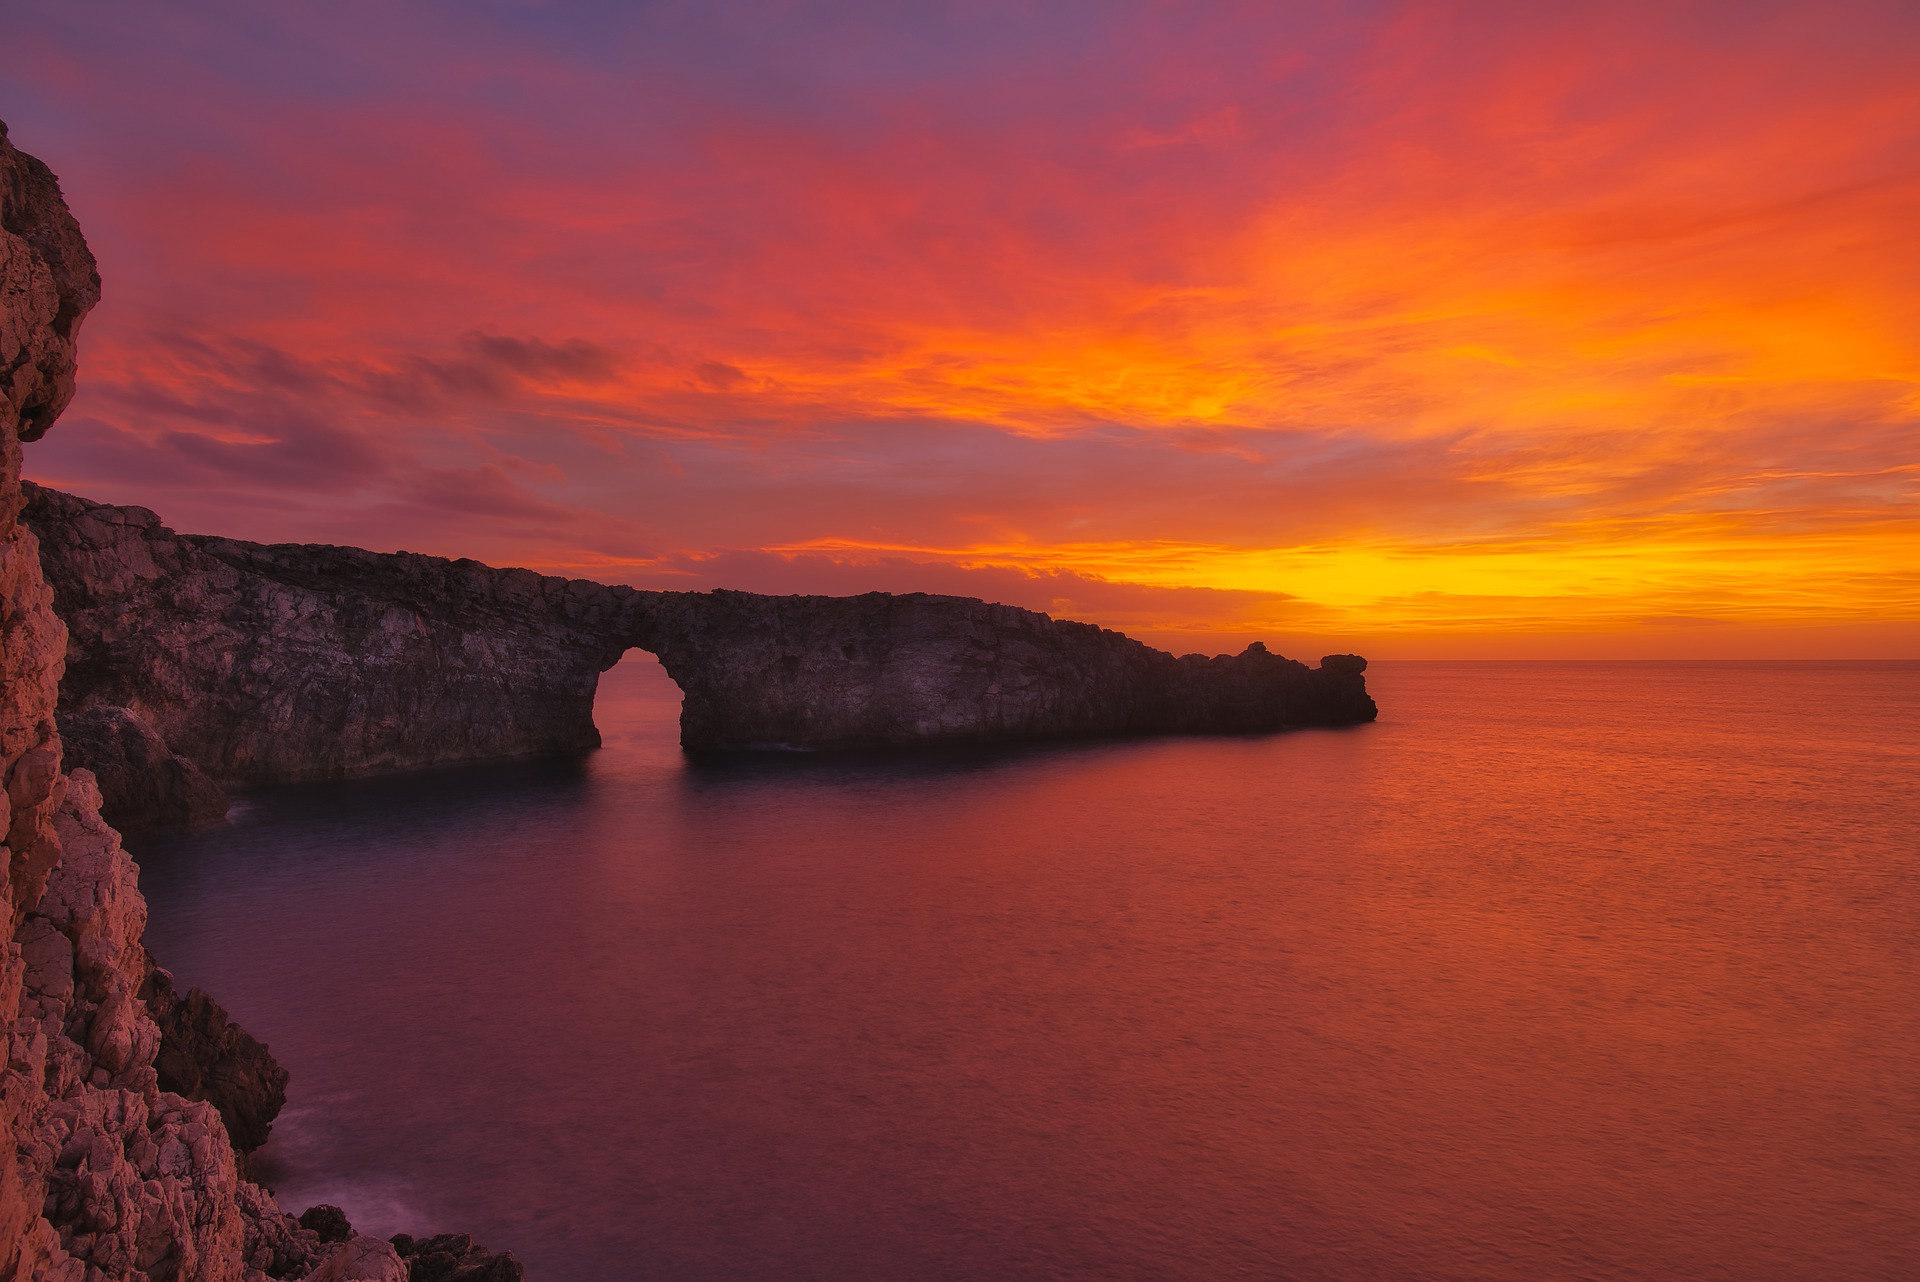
(263, 663)
(47, 286)
(104, 1175)
(196, 657)
(814, 672)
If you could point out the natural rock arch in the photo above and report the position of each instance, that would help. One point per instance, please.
(254, 663)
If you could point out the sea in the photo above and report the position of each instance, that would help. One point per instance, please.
(1558, 971)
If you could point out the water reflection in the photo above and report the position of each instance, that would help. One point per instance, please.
(1557, 971)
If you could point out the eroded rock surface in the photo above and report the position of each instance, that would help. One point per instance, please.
(130, 1180)
(105, 1174)
(257, 663)
(204, 1055)
(262, 663)
(453, 1257)
(145, 783)
(361, 1259)
(881, 670)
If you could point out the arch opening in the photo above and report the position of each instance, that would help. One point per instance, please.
(636, 700)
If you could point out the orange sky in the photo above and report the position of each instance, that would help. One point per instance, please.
(1427, 330)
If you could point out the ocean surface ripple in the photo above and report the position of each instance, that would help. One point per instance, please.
(1597, 971)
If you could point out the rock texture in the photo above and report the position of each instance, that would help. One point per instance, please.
(264, 663)
(120, 1101)
(882, 670)
(361, 1259)
(146, 785)
(330, 1222)
(125, 1179)
(448, 1257)
(204, 1055)
(105, 1175)
(453, 1257)
(255, 663)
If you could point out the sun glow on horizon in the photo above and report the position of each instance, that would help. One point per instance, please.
(1391, 323)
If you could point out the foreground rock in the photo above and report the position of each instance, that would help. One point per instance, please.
(361, 1259)
(104, 1175)
(117, 1162)
(204, 1055)
(453, 1257)
(449, 1257)
(252, 663)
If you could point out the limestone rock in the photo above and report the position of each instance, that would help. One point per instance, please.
(261, 663)
(204, 1055)
(146, 785)
(104, 1177)
(453, 1257)
(275, 1244)
(136, 1186)
(131, 1180)
(883, 670)
(48, 283)
(328, 1222)
(361, 1259)
(94, 893)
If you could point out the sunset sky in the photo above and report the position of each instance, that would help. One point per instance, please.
(1470, 329)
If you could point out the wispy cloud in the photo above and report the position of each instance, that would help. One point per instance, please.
(1392, 318)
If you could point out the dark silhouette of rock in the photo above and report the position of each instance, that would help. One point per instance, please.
(453, 1257)
(259, 663)
(882, 670)
(145, 783)
(204, 1055)
(328, 1222)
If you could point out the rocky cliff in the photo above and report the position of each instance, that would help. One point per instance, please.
(195, 658)
(118, 1163)
(883, 670)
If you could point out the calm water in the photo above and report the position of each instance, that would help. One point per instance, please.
(1559, 971)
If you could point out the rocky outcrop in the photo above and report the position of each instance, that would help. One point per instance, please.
(361, 1259)
(256, 663)
(329, 1222)
(47, 285)
(104, 1175)
(453, 1257)
(272, 663)
(448, 1257)
(145, 784)
(884, 670)
(130, 1180)
(107, 1173)
(204, 1055)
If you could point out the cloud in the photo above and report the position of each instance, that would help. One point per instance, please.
(1395, 311)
